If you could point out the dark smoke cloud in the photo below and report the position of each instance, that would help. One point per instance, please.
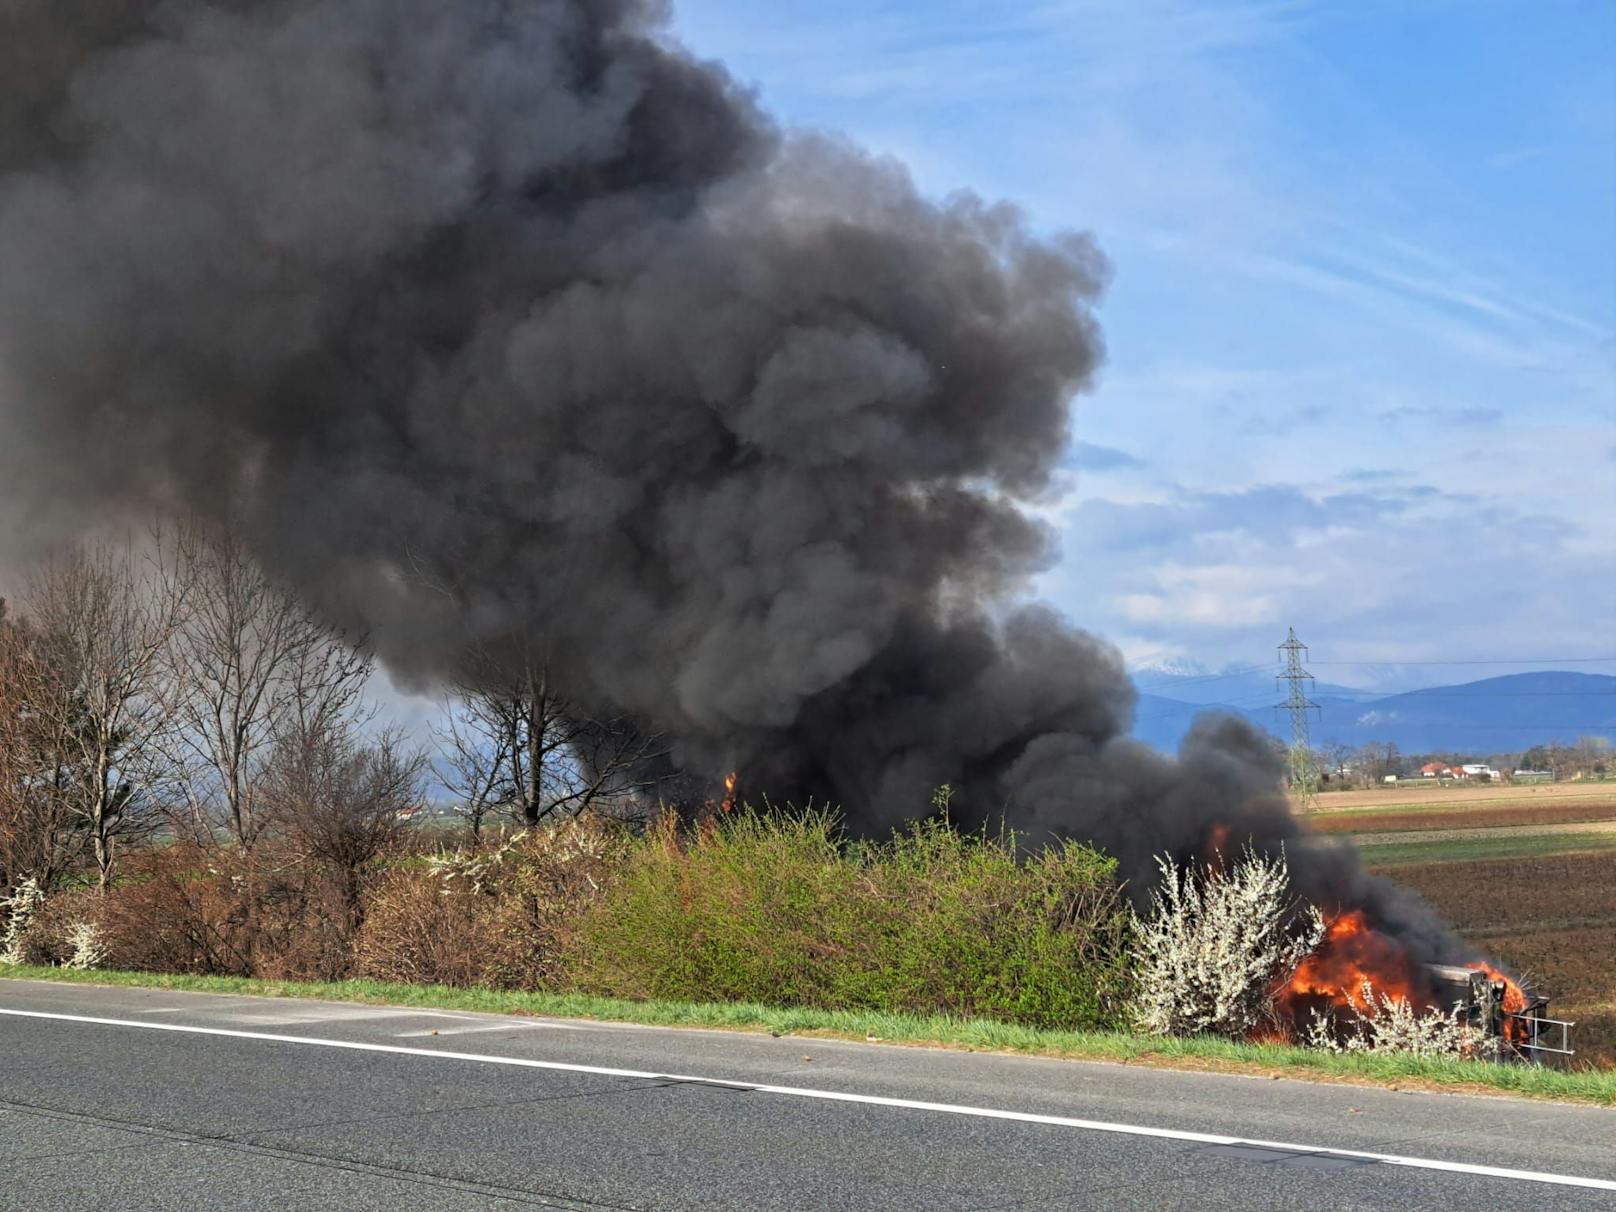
(510, 318)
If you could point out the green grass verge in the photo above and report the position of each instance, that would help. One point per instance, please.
(980, 1035)
(1483, 846)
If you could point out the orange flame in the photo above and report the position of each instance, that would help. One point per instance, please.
(1515, 1002)
(728, 804)
(1351, 953)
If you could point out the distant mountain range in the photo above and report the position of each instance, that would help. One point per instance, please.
(1495, 715)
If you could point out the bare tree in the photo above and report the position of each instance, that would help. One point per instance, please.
(251, 665)
(340, 800)
(1591, 756)
(1379, 759)
(513, 744)
(40, 834)
(105, 615)
(474, 755)
(1336, 760)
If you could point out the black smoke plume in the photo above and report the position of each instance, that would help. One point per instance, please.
(511, 319)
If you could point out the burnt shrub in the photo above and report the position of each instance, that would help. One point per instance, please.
(783, 910)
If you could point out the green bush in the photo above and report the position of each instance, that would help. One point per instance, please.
(782, 910)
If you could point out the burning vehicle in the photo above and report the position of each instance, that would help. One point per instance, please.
(1356, 970)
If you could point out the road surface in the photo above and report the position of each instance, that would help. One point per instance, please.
(134, 1099)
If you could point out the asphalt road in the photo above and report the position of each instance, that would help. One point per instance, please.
(194, 1101)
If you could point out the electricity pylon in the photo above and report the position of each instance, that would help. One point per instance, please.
(1304, 776)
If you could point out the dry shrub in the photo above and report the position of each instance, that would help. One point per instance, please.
(179, 909)
(497, 916)
(302, 925)
(418, 930)
(66, 931)
(185, 908)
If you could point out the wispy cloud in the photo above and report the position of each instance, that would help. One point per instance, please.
(1517, 156)
(1089, 456)
(1446, 416)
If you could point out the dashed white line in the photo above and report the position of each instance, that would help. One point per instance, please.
(873, 1100)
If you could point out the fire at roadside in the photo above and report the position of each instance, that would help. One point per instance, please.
(1356, 971)
(575, 350)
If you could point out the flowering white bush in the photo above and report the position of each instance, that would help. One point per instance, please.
(1217, 942)
(476, 866)
(20, 906)
(571, 842)
(89, 946)
(1393, 1025)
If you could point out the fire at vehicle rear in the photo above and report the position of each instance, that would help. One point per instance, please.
(1499, 1010)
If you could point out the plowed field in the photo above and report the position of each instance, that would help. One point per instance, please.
(1550, 917)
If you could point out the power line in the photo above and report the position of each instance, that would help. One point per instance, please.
(1253, 702)
(1556, 726)
(1487, 661)
(1499, 694)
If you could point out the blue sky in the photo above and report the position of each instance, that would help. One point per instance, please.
(1362, 327)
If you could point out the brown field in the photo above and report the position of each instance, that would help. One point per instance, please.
(1579, 968)
(1412, 795)
(1578, 965)
(1501, 895)
(1550, 917)
(1467, 816)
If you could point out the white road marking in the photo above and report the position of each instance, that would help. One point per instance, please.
(313, 1015)
(515, 1024)
(1025, 1117)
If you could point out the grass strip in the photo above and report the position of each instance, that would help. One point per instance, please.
(1398, 1071)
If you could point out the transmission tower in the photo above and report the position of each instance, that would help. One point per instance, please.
(1298, 681)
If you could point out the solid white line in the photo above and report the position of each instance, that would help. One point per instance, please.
(1060, 1121)
(516, 1024)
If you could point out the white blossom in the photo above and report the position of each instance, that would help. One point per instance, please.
(1217, 943)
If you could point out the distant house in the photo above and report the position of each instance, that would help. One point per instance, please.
(1478, 769)
(1433, 770)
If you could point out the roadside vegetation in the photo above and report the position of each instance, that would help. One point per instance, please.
(191, 789)
(779, 908)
